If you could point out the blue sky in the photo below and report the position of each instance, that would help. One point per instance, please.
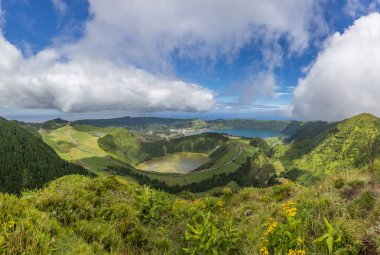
(205, 59)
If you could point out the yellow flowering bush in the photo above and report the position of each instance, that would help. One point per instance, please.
(5, 228)
(213, 204)
(183, 208)
(283, 238)
(288, 209)
(226, 191)
(198, 203)
(296, 252)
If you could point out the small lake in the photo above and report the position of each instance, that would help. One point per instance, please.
(179, 162)
(247, 132)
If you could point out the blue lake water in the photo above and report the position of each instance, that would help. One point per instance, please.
(246, 132)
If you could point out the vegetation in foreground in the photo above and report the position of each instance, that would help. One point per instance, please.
(82, 215)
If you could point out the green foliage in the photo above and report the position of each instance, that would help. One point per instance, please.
(283, 237)
(153, 204)
(283, 191)
(258, 142)
(323, 147)
(339, 183)
(26, 162)
(206, 235)
(54, 124)
(331, 237)
(363, 204)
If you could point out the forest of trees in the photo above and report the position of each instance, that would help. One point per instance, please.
(26, 162)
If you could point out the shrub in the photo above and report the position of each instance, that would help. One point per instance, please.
(216, 205)
(283, 238)
(363, 204)
(105, 235)
(207, 235)
(153, 204)
(339, 183)
(283, 191)
(331, 237)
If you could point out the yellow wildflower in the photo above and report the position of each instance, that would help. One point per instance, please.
(272, 227)
(220, 203)
(264, 250)
(296, 252)
(301, 252)
(199, 204)
(299, 241)
(288, 209)
(226, 191)
(180, 204)
(2, 240)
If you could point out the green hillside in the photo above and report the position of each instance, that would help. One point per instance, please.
(26, 162)
(341, 145)
(123, 145)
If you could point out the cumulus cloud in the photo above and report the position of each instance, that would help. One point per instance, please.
(345, 78)
(123, 61)
(147, 32)
(48, 81)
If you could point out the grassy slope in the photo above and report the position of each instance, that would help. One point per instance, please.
(342, 145)
(59, 140)
(122, 145)
(102, 216)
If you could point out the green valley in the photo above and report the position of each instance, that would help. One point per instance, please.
(119, 151)
(280, 195)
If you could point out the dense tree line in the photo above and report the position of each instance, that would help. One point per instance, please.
(26, 162)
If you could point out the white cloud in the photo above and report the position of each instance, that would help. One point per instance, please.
(146, 32)
(47, 80)
(345, 78)
(262, 85)
(356, 8)
(123, 61)
(60, 6)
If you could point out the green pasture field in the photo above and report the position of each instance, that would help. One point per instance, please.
(59, 139)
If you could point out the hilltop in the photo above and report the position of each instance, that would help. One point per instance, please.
(327, 147)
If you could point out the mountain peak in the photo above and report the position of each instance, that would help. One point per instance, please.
(364, 116)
